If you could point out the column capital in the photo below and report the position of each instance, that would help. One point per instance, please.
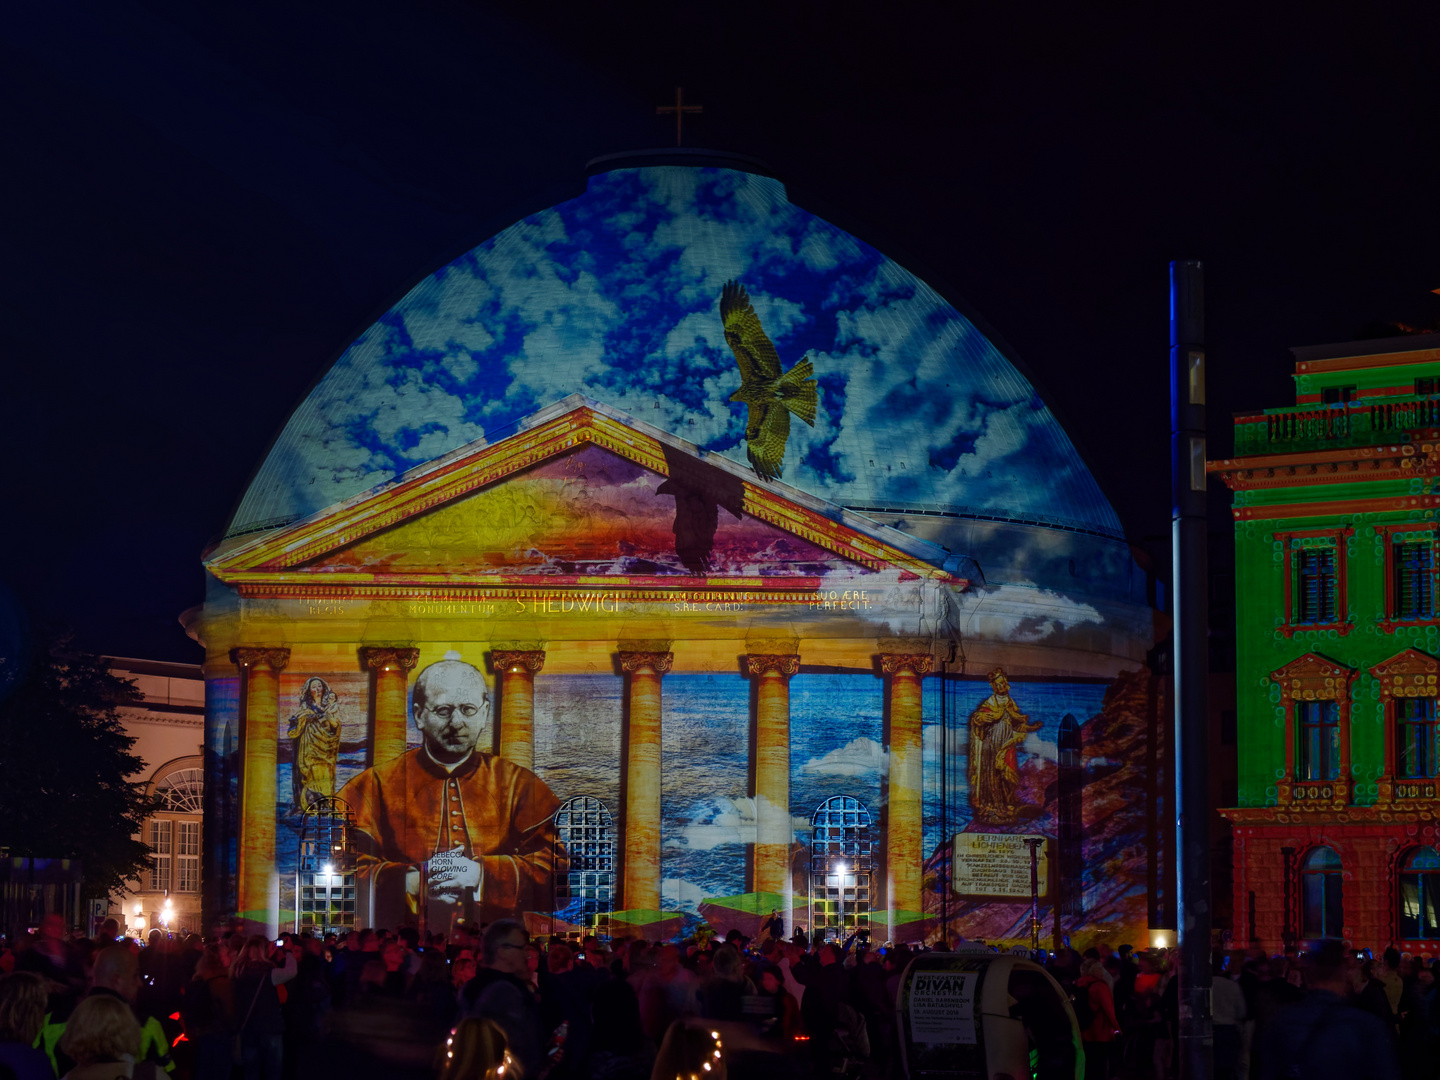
(915, 663)
(659, 662)
(248, 656)
(376, 657)
(531, 660)
(777, 663)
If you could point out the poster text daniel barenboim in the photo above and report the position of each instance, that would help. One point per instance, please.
(674, 556)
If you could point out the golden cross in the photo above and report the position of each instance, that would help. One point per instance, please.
(679, 109)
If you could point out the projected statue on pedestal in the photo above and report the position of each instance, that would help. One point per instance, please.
(997, 728)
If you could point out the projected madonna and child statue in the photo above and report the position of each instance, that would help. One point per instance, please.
(641, 571)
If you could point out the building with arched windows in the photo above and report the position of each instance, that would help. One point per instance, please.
(637, 553)
(1337, 650)
(168, 725)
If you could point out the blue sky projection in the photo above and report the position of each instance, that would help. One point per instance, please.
(615, 295)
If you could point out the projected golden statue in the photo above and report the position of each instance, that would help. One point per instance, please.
(997, 728)
(315, 730)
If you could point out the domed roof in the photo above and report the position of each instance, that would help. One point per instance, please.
(615, 295)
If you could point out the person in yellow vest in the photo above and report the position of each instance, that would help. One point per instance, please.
(116, 975)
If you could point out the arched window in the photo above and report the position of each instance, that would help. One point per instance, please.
(1420, 894)
(183, 791)
(173, 833)
(842, 865)
(585, 893)
(325, 874)
(1322, 913)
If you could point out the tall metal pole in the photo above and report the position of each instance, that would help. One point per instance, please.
(1192, 663)
(1033, 843)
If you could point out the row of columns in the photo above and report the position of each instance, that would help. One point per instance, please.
(641, 872)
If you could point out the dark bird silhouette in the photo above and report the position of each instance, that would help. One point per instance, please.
(769, 394)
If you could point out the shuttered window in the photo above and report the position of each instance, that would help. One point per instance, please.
(1414, 570)
(1315, 584)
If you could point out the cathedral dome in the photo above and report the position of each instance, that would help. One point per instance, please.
(616, 295)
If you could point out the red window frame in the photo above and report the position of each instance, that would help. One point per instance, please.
(1341, 625)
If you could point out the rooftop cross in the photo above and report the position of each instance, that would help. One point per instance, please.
(679, 109)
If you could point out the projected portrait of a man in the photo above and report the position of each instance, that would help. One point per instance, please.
(447, 831)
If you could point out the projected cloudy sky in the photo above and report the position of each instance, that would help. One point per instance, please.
(615, 295)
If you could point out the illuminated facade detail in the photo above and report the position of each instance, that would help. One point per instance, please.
(1334, 507)
(259, 888)
(842, 867)
(905, 670)
(585, 893)
(773, 834)
(573, 565)
(517, 669)
(644, 669)
(391, 665)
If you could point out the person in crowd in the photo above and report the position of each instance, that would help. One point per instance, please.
(1100, 1033)
(259, 1019)
(1227, 1005)
(209, 1013)
(619, 1049)
(1322, 1036)
(103, 1039)
(22, 1012)
(501, 992)
(719, 995)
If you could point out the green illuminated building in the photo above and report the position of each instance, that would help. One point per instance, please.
(1337, 640)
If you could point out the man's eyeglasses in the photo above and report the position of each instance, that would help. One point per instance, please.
(445, 712)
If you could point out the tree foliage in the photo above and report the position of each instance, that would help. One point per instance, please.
(70, 785)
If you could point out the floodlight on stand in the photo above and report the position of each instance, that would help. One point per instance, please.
(329, 869)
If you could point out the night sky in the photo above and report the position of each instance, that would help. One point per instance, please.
(206, 203)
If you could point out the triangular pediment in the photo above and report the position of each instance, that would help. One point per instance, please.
(1407, 674)
(1313, 677)
(579, 498)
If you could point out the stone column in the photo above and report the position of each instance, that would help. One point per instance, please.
(772, 771)
(903, 854)
(516, 671)
(392, 665)
(258, 887)
(640, 888)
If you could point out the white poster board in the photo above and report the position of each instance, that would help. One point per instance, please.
(996, 865)
(942, 1006)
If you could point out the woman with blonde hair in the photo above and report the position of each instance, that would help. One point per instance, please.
(102, 1037)
(478, 1050)
(22, 1012)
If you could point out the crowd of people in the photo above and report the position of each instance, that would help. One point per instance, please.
(493, 1003)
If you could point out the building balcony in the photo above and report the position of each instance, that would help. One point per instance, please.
(1368, 422)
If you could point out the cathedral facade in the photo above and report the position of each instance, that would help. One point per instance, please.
(672, 558)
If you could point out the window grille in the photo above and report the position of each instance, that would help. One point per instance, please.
(585, 893)
(842, 867)
(160, 855)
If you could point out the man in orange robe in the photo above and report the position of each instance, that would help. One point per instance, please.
(445, 831)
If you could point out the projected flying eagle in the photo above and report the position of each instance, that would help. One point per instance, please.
(770, 395)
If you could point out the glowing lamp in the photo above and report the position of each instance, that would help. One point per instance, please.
(1161, 939)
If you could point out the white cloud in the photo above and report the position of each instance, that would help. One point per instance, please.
(1033, 744)
(858, 757)
(721, 821)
